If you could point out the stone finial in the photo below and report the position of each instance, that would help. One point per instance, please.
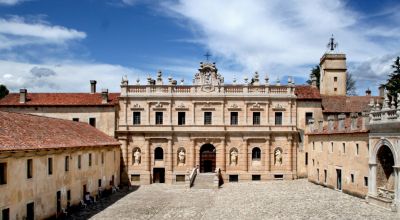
(246, 79)
(256, 79)
(278, 81)
(182, 80)
(353, 122)
(311, 126)
(386, 103)
(234, 79)
(331, 121)
(341, 119)
(138, 81)
(170, 80)
(398, 105)
(368, 92)
(149, 79)
(266, 79)
(159, 78)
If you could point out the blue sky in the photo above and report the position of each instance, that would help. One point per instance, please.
(59, 45)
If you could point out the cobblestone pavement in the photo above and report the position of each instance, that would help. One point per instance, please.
(296, 199)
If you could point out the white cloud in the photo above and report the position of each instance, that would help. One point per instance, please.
(10, 2)
(69, 76)
(282, 37)
(17, 32)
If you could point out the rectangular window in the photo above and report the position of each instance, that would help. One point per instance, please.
(159, 118)
(322, 146)
(50, 166)
(352, 178)
(233, 178)
(99, 182)
(5, 214)
(365, 181)
(278, 118)
(66, 163)
(92, 122)
(75, 119)
(335, 89)
(136, 118)
(135, 177)
(357, 149)
(207, 118)
(325, 175)
(331, 147)
(30, 211)
(256, 118)
(306, 159)
(79, 162)
(29, 168)
(255, 177)
(180, 178)
(90, 159)
(102, 157)
(68, 195)
(181, 118)
(234, 118)
(344, 148)
(313, 145)
(3, 173)
(335, 79)
(318, 175)
(278, 176)
(309, 115)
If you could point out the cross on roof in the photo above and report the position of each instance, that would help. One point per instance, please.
(207, 55)
(332, 44)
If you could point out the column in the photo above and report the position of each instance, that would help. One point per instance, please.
(246, 155)
(148, 113)
(267, 160)
(245, 113)
(194, 114)
(372, 179)
(170, 112)
(148, 155)
(397, 185)
(223, 113)
(223, 158)
(170, 154)
(193, 149)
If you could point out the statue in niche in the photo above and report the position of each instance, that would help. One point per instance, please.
(181, 156)
(234, 156)
(137, 155)
(278, 157)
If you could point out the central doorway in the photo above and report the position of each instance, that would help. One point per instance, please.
(207, 158)
(158, 175)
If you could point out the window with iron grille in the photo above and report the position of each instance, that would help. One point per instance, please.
(278, 118)
(136, 118)
(234, 118)
(159, 118)
(256, 118)
(207, 118)
(181, 118)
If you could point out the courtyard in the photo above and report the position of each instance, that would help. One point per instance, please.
(296, 199)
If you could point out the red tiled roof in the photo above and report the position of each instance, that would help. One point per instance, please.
(60, 99)
(306, 92)
(30, 132)
(347, 104)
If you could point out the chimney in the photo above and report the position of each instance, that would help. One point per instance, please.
(104, 96)
(331, 121)
(320, 125)
(314, 82)
(341, 119)
(311, 127)
(23, 95)
(353, 124)
(365, 120)
(381, 91)
(93, 86)
(368, 92)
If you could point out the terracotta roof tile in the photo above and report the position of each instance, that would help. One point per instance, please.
(347, 104)
(60, 99)
(29, 132)
(306, 92)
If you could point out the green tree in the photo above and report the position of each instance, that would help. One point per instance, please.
(350, 85)
(315, 72)
(3, 91)
(393, 83)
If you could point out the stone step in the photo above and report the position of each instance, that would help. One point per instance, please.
(381, 202)
(204, 181)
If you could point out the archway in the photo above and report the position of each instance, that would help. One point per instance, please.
(207, 158)
(384, 169)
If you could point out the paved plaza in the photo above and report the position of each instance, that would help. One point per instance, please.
(296, 199)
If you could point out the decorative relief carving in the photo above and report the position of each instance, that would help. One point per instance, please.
(159, 107)
(137, 107)
(256, 107)
(278, 107)
(182, 107)
(234, 107)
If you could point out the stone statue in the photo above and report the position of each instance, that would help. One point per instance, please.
(234, 156)
(181, 156)
(278, 157)
(137, 155)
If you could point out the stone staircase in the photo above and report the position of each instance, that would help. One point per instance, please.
(204, 181)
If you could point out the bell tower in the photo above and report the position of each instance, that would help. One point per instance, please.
(333, 71)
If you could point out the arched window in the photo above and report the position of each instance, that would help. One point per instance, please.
(256, 154)
(158, 154)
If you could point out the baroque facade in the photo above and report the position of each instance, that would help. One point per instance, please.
(248, 130)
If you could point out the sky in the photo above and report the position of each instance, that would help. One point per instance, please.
(59, 45)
